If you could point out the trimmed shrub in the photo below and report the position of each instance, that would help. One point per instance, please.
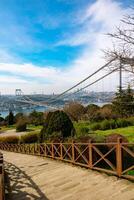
(30, 138)
(21, 125)
(12, 139)
(57, 121)
(113, 138)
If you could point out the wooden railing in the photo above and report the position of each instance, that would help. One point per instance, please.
(114, 158)
(2, 192)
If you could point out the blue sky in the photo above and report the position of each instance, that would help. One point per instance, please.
(48, 45)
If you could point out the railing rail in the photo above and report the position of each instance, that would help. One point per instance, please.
(114, 158)
(2, 192)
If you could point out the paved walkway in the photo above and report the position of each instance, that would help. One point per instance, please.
(36, 178)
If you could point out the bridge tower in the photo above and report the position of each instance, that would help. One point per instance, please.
(18, 92)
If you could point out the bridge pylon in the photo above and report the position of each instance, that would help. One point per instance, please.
(18, 92)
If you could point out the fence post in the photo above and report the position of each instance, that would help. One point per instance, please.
(119, 157)
(90, 154)
(52, 150)
(73, 159)
(45, 150)
(61, 151)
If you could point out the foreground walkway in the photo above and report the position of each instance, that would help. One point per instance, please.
(36, 178)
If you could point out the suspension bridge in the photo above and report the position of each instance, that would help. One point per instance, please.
(50, 102)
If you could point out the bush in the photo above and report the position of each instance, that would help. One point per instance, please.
(123, 123)
(57, 121)
(55, 137)
(105, 125)
(98, 138)
(21, 125)
(12, 139)
(113, 124)
(84, 130)
(84, 139)
(95, 126)
(30, 138)
(112, 138)
(131, 121)
(36, 118)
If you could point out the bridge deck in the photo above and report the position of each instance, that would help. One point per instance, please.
(36, 178)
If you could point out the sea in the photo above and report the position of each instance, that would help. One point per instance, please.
(38, 109)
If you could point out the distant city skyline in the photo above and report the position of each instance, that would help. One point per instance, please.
(47, 46)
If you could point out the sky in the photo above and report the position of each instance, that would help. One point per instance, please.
(46, 46)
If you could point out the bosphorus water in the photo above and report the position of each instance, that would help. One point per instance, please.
(37, 108)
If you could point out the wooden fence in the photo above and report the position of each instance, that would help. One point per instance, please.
(2, 192)
(114, 158)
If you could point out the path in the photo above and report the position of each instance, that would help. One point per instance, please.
(36, 178)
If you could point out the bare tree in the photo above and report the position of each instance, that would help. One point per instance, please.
(123, 45)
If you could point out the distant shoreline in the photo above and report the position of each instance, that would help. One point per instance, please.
(39, 109)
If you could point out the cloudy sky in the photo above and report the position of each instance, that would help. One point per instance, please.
(49, 45)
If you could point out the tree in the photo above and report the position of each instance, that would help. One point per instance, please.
(57, 122)
(75, 110)
(36, 118)
(107, 112)
(92, 112)
(10, 118)
(18, 116)
(123, 45)
(123, 103)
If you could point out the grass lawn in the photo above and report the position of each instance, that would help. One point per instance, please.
(128, 132)
(33, 128)
(6, 128)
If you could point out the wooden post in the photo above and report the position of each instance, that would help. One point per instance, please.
(73, 155)
(90, 155)
(45, 150)
(52, 150)
(61, 151)
(119, 157)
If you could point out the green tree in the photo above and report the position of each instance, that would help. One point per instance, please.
(123, 103)
(10, 118)
(57, 122)
(36, 118)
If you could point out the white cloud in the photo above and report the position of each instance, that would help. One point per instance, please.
(11, 80)
(98, 18)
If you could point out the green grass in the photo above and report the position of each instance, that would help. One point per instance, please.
(34, 127)
(128, 132)
(6, 128)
